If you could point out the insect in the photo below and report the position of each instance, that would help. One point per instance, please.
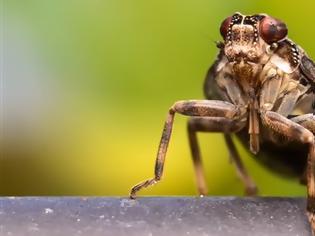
(261, 88)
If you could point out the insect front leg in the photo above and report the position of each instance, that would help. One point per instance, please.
(297, 132)
(203, 108)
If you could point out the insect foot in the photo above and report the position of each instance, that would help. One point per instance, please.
(251, 191)
(141, 185)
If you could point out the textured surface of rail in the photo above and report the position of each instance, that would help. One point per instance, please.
(96, 216)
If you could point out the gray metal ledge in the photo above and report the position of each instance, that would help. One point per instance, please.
(98, 216)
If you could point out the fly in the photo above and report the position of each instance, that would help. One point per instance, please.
(260, 88)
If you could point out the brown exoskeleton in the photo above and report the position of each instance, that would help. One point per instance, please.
(261, 87)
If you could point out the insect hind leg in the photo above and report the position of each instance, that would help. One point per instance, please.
(205, 124)
(250, 186)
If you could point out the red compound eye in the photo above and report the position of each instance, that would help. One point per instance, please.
(272, 30)
(225, 26)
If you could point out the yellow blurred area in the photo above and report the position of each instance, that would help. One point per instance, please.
(87, 85)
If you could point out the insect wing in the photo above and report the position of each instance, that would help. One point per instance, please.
(209, 87)
(307, 67)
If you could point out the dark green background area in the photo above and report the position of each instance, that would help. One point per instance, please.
(103, 75)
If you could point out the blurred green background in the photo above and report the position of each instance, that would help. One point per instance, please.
(87, 85)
